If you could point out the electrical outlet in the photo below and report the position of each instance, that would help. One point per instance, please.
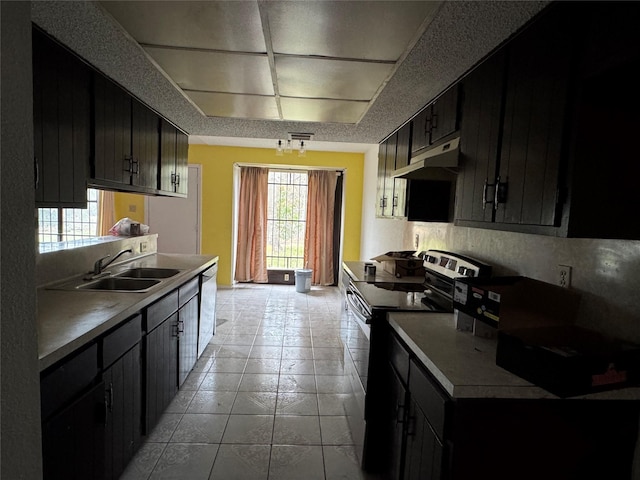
(143, 247)
(564, 276)
(286, 277)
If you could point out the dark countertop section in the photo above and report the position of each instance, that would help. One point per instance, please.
(356, 272)
(69, 319)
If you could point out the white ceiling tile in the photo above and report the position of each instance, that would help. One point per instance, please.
(315, 110)
(215, 72)
(323, 78)
(380, 30)
(214, 25)
(236, 106)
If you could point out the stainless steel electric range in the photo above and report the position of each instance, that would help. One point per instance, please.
(369, 299)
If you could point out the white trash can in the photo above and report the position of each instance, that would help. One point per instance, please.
(303, 280)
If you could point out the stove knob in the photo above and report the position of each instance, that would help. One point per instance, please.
(466, 272)
(430, 259)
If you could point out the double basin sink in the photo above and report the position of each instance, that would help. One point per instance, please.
(139, 279)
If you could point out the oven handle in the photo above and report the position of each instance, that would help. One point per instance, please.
(355, 308)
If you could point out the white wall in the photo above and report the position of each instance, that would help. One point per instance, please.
(19, 371)
(378, 235)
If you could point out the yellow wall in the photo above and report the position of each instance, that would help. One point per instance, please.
(217, 194)
(129, 205)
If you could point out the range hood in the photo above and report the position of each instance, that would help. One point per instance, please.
(437, 163)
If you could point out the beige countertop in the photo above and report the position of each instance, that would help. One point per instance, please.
(465, 365)
(69, 319)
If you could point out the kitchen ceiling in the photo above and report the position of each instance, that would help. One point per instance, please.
(313, 61)
(345, 71)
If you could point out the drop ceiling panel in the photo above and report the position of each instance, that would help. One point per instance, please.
(235, 106)
(315, 110)
(379, 30)
(323, 78)
(213, 25)
(215, 72)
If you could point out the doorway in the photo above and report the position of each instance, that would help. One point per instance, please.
(177, 220)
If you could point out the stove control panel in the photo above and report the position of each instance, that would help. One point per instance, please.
(452, 265)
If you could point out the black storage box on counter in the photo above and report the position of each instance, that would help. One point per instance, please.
(538, 339)
(515, 301)
(568, 360)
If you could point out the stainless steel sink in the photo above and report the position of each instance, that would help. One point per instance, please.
(148, 273)
(118, 284)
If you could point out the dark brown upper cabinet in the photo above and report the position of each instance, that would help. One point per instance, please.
(90, 132)
(480, 139)
(173, 159)
(62, 121)
(514, 131)
(393, 154)
(127, 140)
(436, 121)
(112, 158)
(537, 102)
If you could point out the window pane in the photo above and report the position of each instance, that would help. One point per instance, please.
(65, 224)
(286, 218)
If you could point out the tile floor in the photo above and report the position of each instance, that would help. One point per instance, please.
(266, 399)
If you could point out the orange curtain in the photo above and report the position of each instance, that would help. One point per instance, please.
(251, 250)
(318, 241)
(106, 212)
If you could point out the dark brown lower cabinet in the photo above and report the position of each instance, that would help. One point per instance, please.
(123, 390)
(396, 423)
(73, 439)
(431, 436)
(161, 356)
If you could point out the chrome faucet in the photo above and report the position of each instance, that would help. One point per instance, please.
(98, 267)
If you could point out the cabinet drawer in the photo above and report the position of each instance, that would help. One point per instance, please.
(429, 397)
(161, 310)
(399, 358)
(121, 340)
(188, 291)
(66, 380)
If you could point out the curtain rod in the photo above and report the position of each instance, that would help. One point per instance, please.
(292, 168)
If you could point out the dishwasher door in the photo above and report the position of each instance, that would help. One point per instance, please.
(208, 290)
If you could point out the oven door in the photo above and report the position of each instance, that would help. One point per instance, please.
(359, 308)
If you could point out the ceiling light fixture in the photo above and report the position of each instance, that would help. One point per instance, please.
(285, 146)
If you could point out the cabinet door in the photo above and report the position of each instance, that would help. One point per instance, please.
(403, 151)
(182, 161)
(420, 130)
(73, 439)
(188, 338)
(112, 134)
(145, 146)
(536, 103)
(161, 355)
(444, 115)
(424, 451)
(123, 390)
(389, 166)
(396, 417)
(168, 150)
(380, 193)
(62, 119)
(479, 136)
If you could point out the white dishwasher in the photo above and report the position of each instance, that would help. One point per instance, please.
(208, 290)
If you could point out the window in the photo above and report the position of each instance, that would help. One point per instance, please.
(286, 218)
(66, 224)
